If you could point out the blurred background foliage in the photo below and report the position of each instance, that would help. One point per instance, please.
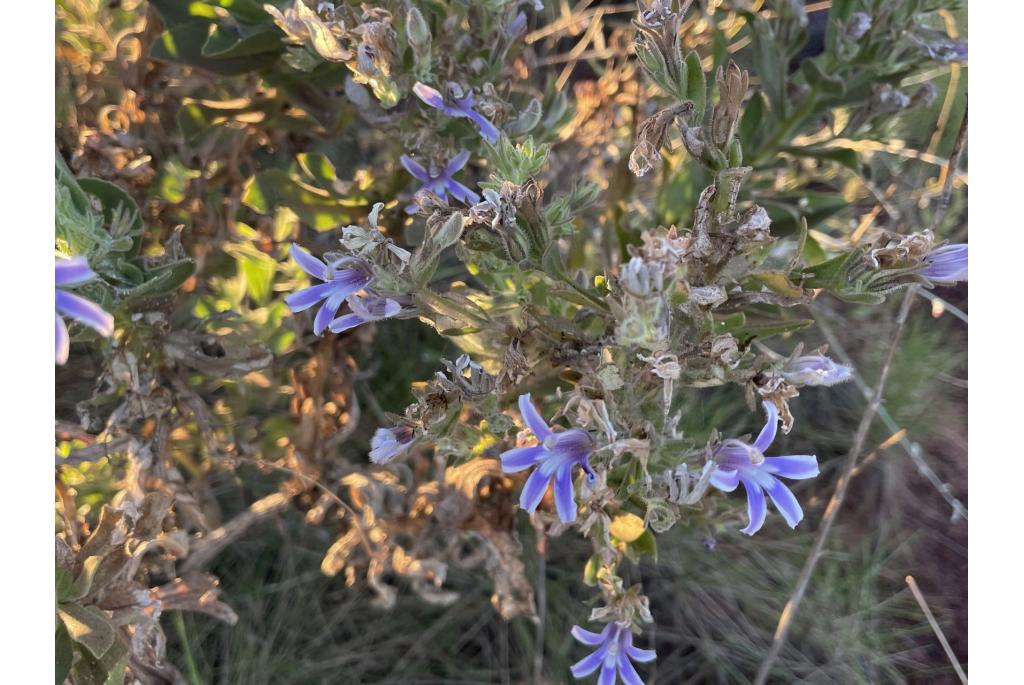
(228, 141)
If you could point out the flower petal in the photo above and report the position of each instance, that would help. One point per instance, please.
(565, 495)
(310, 264)
(487, 129)
(589, 664)
(301, 300)
(641, 655)
(520, 458)
(85, 312)
(326, 315)
(532, 418)
(607, 676)
(72, 271)
(796, 466)
(784, 501)
(725, 480)
(461, 192)
(588, 638)
(767, 435)
(533, 491)
(428, 95)
(456, 163)
(63, 341)
(414, 168)
(757, 508)
(628, 672)
(346, 322)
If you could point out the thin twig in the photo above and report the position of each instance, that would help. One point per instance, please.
(935, 627)
(912, 449)
(954, 161)
(542, 604)
(213, 543)
(836, 502)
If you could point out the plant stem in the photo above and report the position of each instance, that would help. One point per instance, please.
(190, 663)
(836, 502)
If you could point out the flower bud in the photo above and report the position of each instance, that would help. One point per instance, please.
(417, 32)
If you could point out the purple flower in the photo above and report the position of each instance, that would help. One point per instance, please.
(554, 457)
(815, 369)
(388, 443)
(440, 182)
(341, 279)
(739, 462)
(71, 272)
(458, 104)
(365, 308)
(947, 264)
(614, 655)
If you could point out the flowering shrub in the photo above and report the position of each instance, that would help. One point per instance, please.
(596, 259)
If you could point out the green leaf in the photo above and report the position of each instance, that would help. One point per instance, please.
(643, 545)
(184, 43)
(778, 282)
(257, 267)
(752, 123)
(63, 582)
(591, 569)
(826, 83)
(848, 158)
(115, 199)
(88, 626)
(768, 62)
(749, 331)
(83, 583)
(787, 210)
(162, 280)
(318, 168)
(225, 42)
(268, 190)
(696, 84)
(64, 652)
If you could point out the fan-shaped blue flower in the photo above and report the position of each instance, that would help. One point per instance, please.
(342, 279)
(739, 462)
(458, 104)
(72, 272)
(440, 181)
(614, 655)
(555, 458)
(815, 369)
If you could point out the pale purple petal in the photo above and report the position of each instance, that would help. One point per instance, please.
(735, 454)
(585, 465)
(326, 315)
(565, 495)
(725, 480)
(532, 418)
(456, 163)
(301, 300)
(757, 508)
(607, 676)
(487, 129)
(947, 264)
(85, 312)
(72, 271)
(589, 664)
(414, 168)
(797, 466)
(641, 655)
(63, 341)
(310, 264)
(461, 192)
(767, 435)
(429, 95)
(520, 458)
(533, 491)
(373, 307)
(627, 672)
(346, 322)
(588, 638)
(784, 501)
